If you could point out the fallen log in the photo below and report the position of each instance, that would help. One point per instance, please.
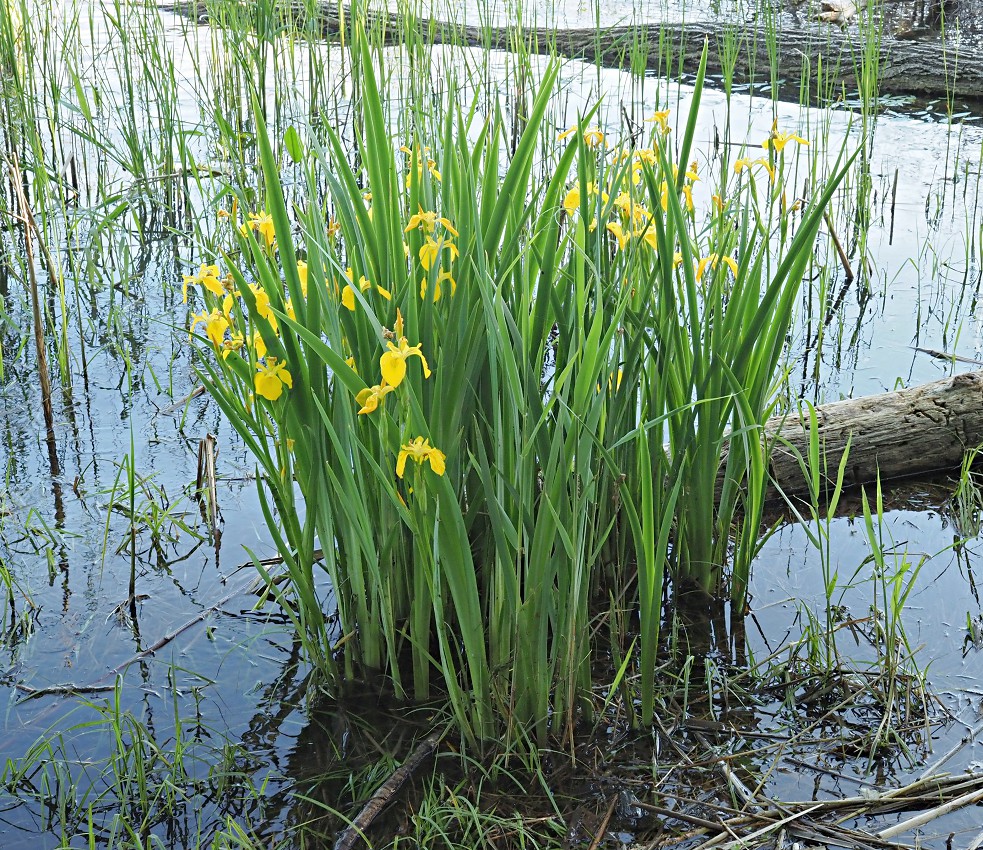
(801, 48)
(918, 431)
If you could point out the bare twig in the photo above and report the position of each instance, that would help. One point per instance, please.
(944, 355)
(44, 375)
(844, 259)
(181, 402)
(61, 690)
(976, 842)
(355, 831)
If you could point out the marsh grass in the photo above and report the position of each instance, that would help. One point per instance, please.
(143, 783)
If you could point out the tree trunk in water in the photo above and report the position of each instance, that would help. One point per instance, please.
(801, 49)
(916, 431)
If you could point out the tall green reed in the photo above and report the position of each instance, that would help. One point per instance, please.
(593, 352)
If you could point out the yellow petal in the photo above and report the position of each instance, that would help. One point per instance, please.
(268, 386)
(348, 298)
(368, 400)
(393, 368)
(437, 458)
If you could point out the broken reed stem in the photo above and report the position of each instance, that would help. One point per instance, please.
(205, 483)
(603, 828)
(844, 259)
(44, 376)
(926, 817)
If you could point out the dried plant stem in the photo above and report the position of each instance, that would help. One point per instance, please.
(44, 375)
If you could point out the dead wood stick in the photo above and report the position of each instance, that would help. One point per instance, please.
(97, 687)
(906, 794)
(920, 430)
(355, 831)
(908, 66)
(968, 738)
(976, 842)
(740, 790)
(767, 829)
(945, 355)
(181, 402)
(678, 815)
(726, 828)
(932, 814)
(161, 642)
(60, 690)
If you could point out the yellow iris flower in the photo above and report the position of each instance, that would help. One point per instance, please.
(392, 363)
(431, 249)
(216, 324)
(593, 137)
(348, 294)
(420, 450)
(302, 274)
(649, 237)
(427, 222)
(208, 277)
(619, 234)
(631, 209)
(745, 163)
(661, 117)
(437, 292)
(777, 141)
(594, 189)
(262, 303)
(713, 261)
(571, 203)
(431, 167)
(259, 345)
(262, 223)
(271, 378)
(233, 343)
(371, 398)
